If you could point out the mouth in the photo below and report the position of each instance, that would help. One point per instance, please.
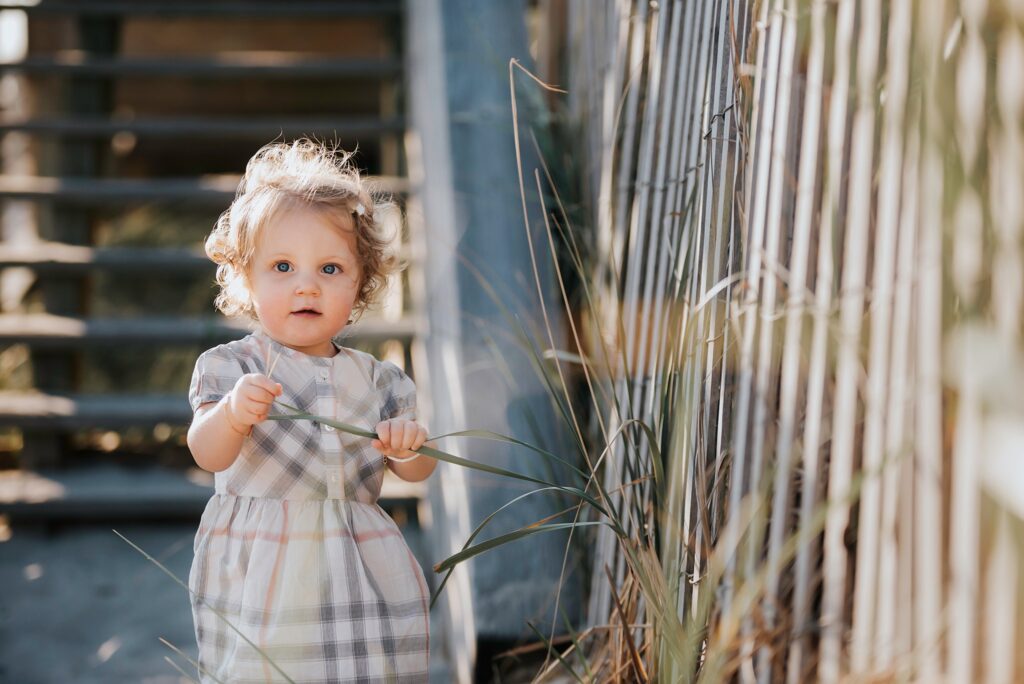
(306, 313)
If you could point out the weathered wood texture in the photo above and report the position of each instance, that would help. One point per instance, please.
(807, 258)
(139, 118)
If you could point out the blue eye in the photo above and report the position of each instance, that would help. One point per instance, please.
(282, 266)
(331, 269)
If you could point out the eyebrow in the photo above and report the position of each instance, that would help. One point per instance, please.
(329, 257)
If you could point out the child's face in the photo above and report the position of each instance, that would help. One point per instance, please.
(305, 278)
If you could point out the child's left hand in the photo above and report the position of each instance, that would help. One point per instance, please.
(398, 437)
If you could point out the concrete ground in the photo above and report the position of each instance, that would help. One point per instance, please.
(79, 605)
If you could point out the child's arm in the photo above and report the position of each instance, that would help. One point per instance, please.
(216, 434)
(398, 438)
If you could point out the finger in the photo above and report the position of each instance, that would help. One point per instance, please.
(384, 433)
(258, 403)
(263, 382)
(256, 407)
(263, 394)
(259, 386)
(421, 437)
(409, 432)
(377, 445)
(263, 403)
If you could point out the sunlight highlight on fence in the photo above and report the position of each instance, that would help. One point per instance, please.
(807, 280)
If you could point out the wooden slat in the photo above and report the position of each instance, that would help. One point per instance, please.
(350, 127)
(233, 8)
(215, 191)
(207, 191)
(49, 331)
(47, 411)
(58, 258)
(261, 65)
(103, 491)
(63, 259)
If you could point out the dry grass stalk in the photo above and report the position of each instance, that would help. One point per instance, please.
(752, 416)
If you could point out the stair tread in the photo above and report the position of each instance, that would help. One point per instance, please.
(189, 8)
(61, 257)
(198, 127)
(103, 489)
(58, 256)
(261, 64)
(39, 409)
(51, 330)
(213, 190)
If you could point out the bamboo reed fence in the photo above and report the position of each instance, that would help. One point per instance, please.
(807, 280)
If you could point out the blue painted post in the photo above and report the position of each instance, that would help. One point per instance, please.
(500, 387)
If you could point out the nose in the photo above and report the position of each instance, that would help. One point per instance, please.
(307, 286)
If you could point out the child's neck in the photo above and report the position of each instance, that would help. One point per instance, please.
(325, 349)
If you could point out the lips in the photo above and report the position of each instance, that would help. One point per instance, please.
(306, 313)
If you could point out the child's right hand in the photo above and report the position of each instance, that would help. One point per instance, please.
(250, 400)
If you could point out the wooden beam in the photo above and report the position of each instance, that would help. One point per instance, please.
(81, 127)
(64, 259)
(47, 330)
(106, 491)
(235, 65)
(55, 412)
(103, 491)
(58, 258)
(269, 10)
(215, 191)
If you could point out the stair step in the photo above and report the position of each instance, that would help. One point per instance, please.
(36, 410)
(64, 259)
(59, 258)
(350, 127)
(216, 191)
(50, 331)
(233, 8)
(263, 64)
(106, 491)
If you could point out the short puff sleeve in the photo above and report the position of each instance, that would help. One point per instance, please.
(216, 372)
(396, 390)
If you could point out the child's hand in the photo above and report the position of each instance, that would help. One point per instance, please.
(399, 437)
(249, 401)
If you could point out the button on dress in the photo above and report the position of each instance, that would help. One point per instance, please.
(292, 548)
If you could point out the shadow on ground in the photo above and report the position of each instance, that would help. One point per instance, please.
(80, 605)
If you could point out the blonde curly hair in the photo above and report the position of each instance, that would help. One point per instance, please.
(301, 173)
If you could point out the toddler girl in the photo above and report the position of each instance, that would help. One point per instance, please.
(292, 548)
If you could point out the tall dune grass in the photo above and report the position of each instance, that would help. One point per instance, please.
(797, 328)
(804, 242)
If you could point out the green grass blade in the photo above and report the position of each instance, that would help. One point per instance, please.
(480, 527)
(200, 599)
(552, 649)
(443, 456)
(494, 436)
(182, 671)
(190, 660)
(577, 647)
(494, 543)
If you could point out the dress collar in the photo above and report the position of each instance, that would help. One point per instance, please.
(278, 349)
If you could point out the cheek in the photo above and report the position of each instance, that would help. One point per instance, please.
(266, 298)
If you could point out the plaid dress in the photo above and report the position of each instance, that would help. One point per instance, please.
(292, 547)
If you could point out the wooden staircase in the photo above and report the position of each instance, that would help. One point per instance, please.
(132, 124)
(142, 117)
